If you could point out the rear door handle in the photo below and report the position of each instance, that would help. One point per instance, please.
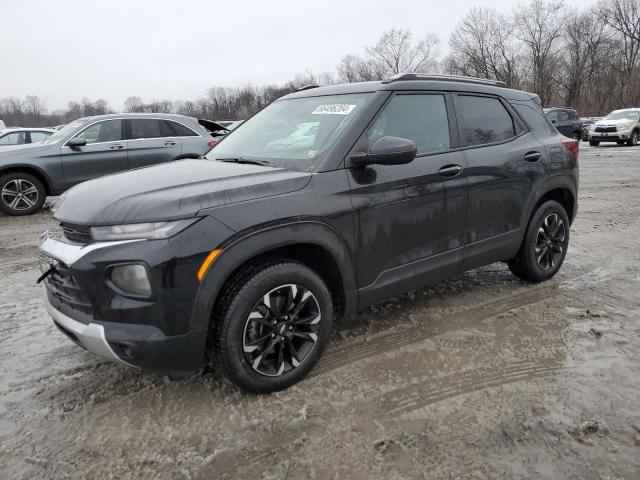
(532, 156)
(116, 147)
(450, 170)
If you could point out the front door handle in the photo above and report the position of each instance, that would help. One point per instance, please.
(532, 156)
(450, 170)
(169, 143)
(116, 147)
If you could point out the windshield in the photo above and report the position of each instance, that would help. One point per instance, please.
(64, 132)
(623, 115)
(292, 132)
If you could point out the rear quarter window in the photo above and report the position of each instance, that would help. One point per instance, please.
(537, 120)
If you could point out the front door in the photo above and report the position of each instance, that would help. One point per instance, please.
(104, 153)
(151, 141)
(410, 217)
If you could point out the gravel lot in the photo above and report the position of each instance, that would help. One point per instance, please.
(482, 376)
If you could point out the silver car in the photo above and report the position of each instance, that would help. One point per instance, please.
(23, 136)
(92, 147)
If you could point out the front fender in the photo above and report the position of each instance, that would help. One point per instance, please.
(243, 247)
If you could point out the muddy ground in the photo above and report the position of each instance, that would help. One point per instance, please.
(482, 376)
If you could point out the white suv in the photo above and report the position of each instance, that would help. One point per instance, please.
(620, 126)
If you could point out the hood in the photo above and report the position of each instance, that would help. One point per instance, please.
(14, 152)
(171, 191)
(604, 121)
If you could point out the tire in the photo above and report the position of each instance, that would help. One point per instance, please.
(594, 143)
(21, 194)
(256, 326)
(621, 142)
(529, 264)
(576, 136)
(635, 138)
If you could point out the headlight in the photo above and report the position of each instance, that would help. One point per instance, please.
(148, 231)
(132, 278)
(626, 125)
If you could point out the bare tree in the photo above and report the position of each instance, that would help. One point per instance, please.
(484, 45)
(539, 26)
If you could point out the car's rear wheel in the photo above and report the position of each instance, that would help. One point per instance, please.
(635, 138)
(576, 136)
(272, 325)
(594, 143)
(545, 244)
(21, 194)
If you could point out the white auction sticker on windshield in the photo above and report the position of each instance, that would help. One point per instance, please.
(335, 109)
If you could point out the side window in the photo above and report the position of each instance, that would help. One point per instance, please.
(563, 115)
(106, 131)
(16, 138)
(484, 120)
(573, 115)
(39, 136)
(149, 128)
(553, 116)
(180, 130)
(535, 118)
(421, 118)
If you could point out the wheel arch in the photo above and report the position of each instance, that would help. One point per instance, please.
(36, 172)
(312, 243)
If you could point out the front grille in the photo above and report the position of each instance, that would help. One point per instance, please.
(606, 129)
(65, 293)
(76, 233)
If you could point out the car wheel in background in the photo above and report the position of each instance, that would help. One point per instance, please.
(594, 143)
(577, 136)
(21, 194)
(544, 245)
(635, 138)
(272, 325)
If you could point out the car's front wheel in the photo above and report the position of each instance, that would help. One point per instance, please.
(272, 325)
(594, 143)
(21, 194)
(544, 245)
(635, 138)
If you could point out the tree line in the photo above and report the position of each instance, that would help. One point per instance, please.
(585, 58)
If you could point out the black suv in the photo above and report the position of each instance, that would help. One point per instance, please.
(566, 121)
(328, 200)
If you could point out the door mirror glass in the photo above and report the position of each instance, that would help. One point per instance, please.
(76, 142)
(388, 151)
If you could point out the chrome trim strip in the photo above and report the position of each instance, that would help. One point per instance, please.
(91, 336)
(69, 253)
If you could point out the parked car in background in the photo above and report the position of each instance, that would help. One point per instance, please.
(2, 125)
(587, 123)
(566, 121)
(92, 147)
(620, 126)
(241, 259)
(22, 136)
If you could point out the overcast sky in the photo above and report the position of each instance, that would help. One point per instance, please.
(64, 50)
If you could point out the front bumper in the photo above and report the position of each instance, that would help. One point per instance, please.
(90, 337)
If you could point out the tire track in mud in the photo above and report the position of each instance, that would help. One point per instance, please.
(353, 351)
(419, 395)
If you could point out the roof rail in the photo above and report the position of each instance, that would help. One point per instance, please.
(307, 87)
(444, 78)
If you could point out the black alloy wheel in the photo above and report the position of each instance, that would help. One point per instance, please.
(281, 330)
(550, 242)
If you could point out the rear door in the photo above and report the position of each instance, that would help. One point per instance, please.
(104, 153)
(504, 164)
(151, 141)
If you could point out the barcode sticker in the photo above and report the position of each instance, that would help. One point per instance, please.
(335, 109)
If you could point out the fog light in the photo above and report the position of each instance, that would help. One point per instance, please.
(132, 279)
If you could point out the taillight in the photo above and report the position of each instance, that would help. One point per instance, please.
(572, 145)
(212, 143)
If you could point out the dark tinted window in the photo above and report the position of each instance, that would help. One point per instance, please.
(536, 119)
(484, 120)
(180, 130)
(421, 118)
(148, 128)
(573, 115)
(563, 115)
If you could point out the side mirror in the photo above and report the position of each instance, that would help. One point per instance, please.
(76, 142)
(387, 151)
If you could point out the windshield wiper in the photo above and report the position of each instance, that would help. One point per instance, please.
(264, 163)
